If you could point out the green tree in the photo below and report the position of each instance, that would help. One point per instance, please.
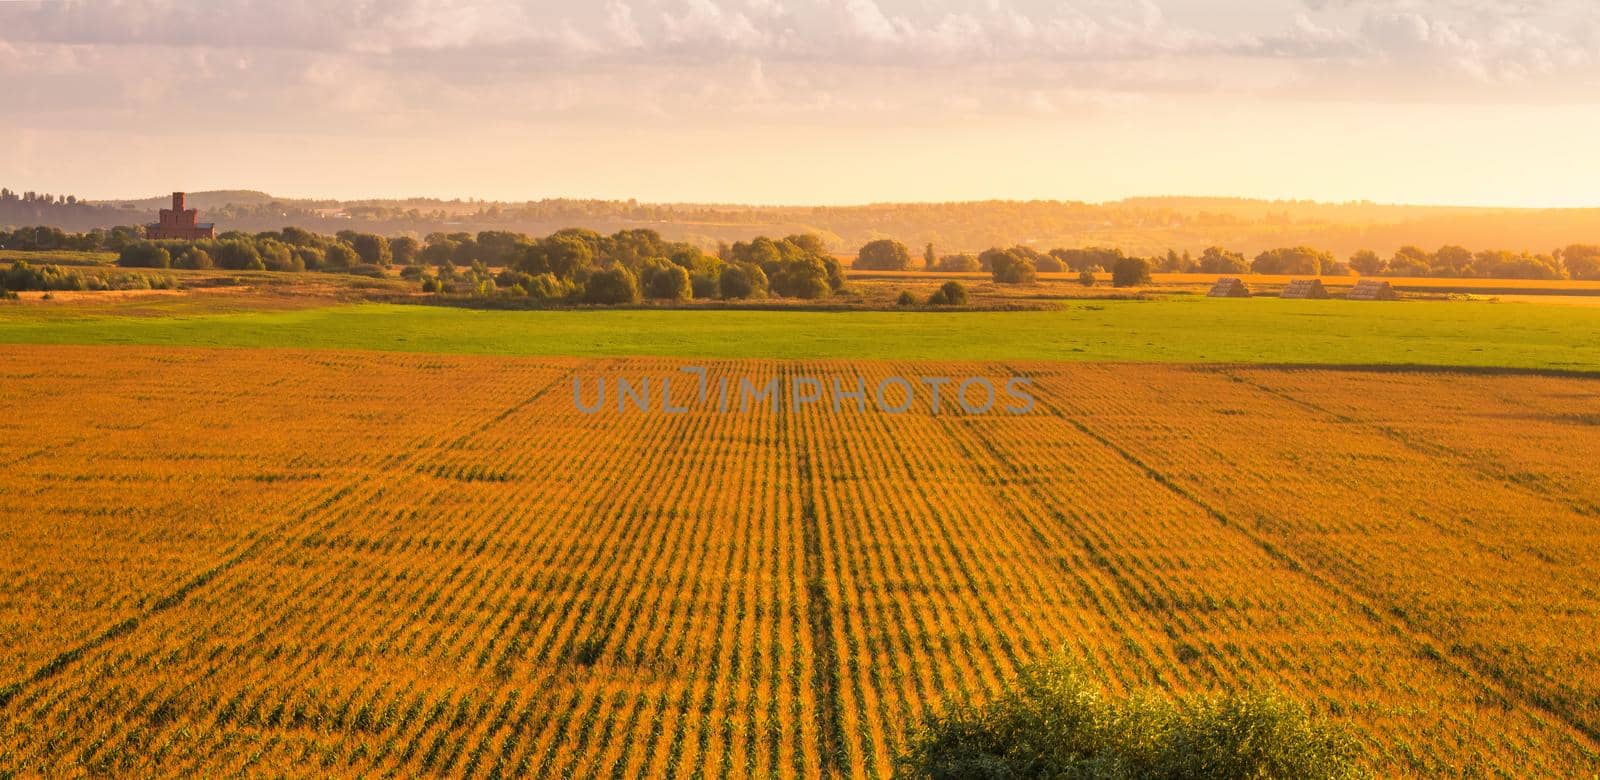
(1410, 261)
(404, 249)
(742, 280)
(193, 258)
(312, 258)
(144, 255)
(883, 255)
(439, 249)
(1452, 260)
(239, 254)
(339, 256)
(1008, 266)
(611, 285)
(1367, 263)
(958, 263)
(1092, 258)
(666, 281)
(1581, 260)
(1130, 272)
(1216, 260)
(373, 249)
(1501, 264)
(300, 237)
(561, 254)
(802, 277)
(278, 256)
(1292, 260)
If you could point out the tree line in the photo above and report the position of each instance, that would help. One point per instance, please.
(798, 265)
(581, 265)
(1018, 264)
(289, 249)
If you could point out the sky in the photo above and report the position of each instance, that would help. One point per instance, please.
(1483, 102)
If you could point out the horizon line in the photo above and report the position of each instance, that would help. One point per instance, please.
(851, 204)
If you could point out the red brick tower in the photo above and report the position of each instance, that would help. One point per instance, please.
(180, 223)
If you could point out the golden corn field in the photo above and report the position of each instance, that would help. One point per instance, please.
(224, 562)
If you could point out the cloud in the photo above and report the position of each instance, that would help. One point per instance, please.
(429, 63)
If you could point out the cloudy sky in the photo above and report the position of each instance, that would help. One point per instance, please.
(806, 101)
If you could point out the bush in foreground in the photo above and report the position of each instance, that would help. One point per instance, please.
(1053, 723)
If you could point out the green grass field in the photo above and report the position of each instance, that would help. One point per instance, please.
(1512, 335)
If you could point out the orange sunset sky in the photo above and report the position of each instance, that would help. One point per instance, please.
(822, 101)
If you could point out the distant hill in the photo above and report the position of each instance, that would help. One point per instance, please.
(211, 199)
(1140, 225)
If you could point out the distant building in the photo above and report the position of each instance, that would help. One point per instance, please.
(179, 223)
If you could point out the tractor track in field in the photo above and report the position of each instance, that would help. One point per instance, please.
(174, 598)
(1431, 449)
(1463, 665)
(831, 739)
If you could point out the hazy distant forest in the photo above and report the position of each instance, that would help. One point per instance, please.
(1144, 226)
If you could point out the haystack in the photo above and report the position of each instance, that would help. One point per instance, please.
(1373, 290)
(1304, 288)
(1229, 287)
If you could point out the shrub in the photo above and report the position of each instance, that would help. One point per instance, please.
(1051, 722)
(1130, 272)
(611, 285)
(1086, 278)
(907, 298)
(949, 294)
